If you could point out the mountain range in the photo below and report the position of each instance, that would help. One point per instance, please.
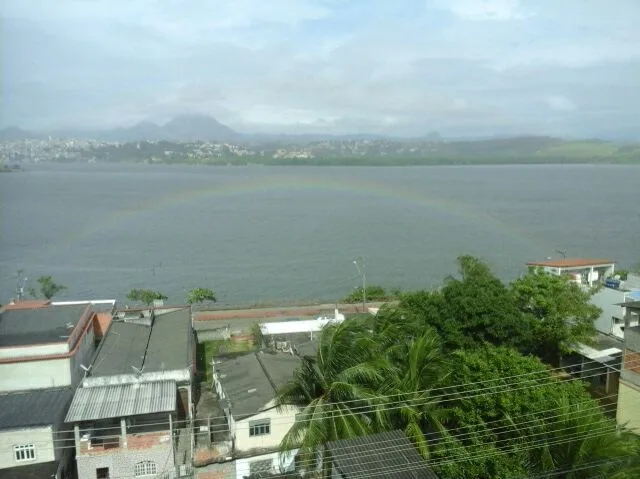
(188, 128)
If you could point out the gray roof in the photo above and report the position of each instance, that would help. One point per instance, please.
(123, 400)
(631, 304)
(165, 346)
(39, 407)
(49, 324)
(39, 470)
(388, 454)
(250, 381)
(606, 299)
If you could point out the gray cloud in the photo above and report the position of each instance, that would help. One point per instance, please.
(460, 66)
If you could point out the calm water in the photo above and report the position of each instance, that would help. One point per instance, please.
(257, 233)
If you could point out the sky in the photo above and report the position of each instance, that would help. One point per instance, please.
(401, 67)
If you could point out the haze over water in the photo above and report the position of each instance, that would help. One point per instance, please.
(287, 233)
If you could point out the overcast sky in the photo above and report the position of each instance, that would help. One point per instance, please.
(460, 67)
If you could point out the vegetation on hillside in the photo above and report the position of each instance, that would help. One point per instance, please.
(465, 372)
(373, 293)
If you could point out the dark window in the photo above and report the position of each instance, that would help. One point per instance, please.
(260, 428)
(102, 473)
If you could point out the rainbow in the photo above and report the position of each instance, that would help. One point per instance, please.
(295, 184)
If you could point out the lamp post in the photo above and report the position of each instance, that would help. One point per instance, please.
(363, 273)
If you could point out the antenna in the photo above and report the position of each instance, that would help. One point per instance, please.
(20, 285)
(138, 371)
(86, 369)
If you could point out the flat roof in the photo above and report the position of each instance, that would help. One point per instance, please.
(387, 454)
(630, 304)
(250, 381)
(40, 407)
(48, 324)
(122, 400)
(572, 262)
(163, 346)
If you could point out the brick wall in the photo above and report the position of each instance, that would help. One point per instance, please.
(121, 462)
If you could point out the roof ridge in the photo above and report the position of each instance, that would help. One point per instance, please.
(266, 372)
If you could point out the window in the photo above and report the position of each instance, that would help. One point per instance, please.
(257, 467)
(145, 468)
(102, 473)
(25, 452)
(260, 428)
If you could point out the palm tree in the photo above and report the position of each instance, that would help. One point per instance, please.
(582, 443)
(407, 391)
(337, 391)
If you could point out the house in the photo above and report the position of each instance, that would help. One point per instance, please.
(131, 414)
(581, 270)
(629, 388)
(246, 386)
(34, 443)
(44, 344)
(388, 454)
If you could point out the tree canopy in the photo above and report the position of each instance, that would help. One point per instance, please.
(201, 295)
(464, 372)
(48, 287)
(145, 296)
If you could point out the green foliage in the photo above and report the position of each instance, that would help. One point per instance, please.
(201, 295)
(374, 293)
(451, 369)
(145, 296)
(560, 312)
(470, 310)
(622, 273)
(48, 287)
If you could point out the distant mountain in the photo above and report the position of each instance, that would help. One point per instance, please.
(13, 133)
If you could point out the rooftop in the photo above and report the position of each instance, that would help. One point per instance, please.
(129, 348)
(123, 400)
(572, 262)
(388, 454)
(31, 471)
(250, 381)
(39, 407)
(630, 304)
(41, 324)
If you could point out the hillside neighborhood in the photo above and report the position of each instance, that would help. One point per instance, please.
(93, 390)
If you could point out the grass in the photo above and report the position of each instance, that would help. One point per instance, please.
(208, 350)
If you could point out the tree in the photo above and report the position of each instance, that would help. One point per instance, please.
(48, 287)
(579, 442)
(200, 295)
(336, 390)
(374, 293)
(561, 312)
(504, 408)
(406, 392)
(470, 310)
(145, 296)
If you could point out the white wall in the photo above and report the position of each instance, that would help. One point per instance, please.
(281, 422)
(628, 413)
(50, 373)
(280, 463)
(41, 438)
(34, 350)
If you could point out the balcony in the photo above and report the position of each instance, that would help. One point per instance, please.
(109, 443)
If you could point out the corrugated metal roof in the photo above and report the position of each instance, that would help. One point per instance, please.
(123, 400)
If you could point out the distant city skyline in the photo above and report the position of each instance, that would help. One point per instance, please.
(405, 68)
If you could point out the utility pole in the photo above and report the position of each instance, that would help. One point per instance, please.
(363, 273)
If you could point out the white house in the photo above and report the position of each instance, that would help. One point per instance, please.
(581, 270)
(32, 434)
(246, 386)
(45, 344)
(131, 413)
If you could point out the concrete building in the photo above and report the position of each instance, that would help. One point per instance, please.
(582, 271)
(44, 344)
(629, 387)
(377, 456)
(246, 386)
(33, 441)
(131, 414)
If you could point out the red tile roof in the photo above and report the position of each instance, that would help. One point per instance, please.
(571, 263)
(28, 304)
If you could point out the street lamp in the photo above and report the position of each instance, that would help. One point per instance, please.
(362, 272)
